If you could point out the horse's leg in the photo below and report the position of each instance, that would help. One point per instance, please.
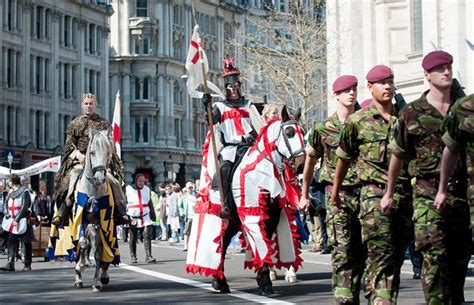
(232, 229)
(264, 281)
(263, 277)
(96, 245)
(80, 265)
(104, 276)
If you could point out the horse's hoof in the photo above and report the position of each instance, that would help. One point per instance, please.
(291, 278)
(266, 290)
(97, 288)
(105, 280)
(78, 284)
(220, 285)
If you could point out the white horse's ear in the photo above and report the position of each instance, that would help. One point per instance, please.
(298, 114)
(285, 116)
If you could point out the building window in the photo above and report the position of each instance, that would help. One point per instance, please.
(145, 130)
(92, 38)
(137, 130)
(91, 82)
(142, 8)
(46, 23)
(39, 11)
(417, 25)
(37, 74)
(37, 129)
(146, 84)
(66, 81)
(46, 128)
(74, 80)
(66, 31)
(97, 87)
(137, 89)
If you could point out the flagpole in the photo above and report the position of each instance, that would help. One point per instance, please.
(209, 120)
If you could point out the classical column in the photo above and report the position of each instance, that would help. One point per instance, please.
(70, 32)
(126, 105)
(13, 126)
(61, 80)
(5, 65)
(42, 127)
(125, 35)
(160, 118)
(141, 90)
(62, 24)
(161, 29)
(5, 115)
(13, 70)
(140, 137)
(4, 13)
(42, 73)
(33, 21)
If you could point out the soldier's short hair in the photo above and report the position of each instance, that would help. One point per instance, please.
(87, 96)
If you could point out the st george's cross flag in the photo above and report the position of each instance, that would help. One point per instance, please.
(194, 64)
(116, 125)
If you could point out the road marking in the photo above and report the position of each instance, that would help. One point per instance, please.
(235, 293)
(467, 278)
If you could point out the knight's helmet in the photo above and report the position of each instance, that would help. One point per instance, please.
(232, 83)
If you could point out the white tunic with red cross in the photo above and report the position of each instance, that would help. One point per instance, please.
(137, 205)
(14, 206)
(233, 125)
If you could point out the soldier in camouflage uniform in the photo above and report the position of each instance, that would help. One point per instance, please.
(365, 138)
(459, 139)
(343, 225)
(75, 149)
(441, 234)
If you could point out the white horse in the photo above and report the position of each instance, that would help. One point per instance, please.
(258, 188)
(93, 212)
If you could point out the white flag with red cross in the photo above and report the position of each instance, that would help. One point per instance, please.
(194, 64)
(116, 125)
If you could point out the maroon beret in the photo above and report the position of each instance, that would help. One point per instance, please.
(436, 58)
(378, 73)
(366, 103)
(344, 82)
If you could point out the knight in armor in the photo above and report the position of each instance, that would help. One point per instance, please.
(77, 142)
(142, 213)
(18, 207)
(236, 133)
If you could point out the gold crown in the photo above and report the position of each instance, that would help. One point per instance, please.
(88, 96)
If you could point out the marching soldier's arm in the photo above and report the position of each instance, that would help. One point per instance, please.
(313, 150)
(26, 204)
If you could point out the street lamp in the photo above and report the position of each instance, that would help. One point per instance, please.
(10, 161)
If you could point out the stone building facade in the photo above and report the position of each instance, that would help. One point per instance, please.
(51, 52)
(398, 33)
(163, 129)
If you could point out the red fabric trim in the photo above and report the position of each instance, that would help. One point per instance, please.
(196, 56)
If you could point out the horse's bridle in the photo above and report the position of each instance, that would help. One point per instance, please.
(293, 154)
(288, 146)
(95, 169)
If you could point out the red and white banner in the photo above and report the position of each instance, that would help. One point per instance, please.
(48, 165)
(116, 125)
(194, 64)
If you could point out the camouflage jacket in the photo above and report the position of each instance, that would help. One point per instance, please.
(417, 137)
(365, 138)
(323, 141)
(459, 125)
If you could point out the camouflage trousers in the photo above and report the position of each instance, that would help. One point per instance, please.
(444, 239)
(344, 236)
(381, 238)
(470, 198)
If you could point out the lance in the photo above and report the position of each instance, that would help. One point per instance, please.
(209, 116)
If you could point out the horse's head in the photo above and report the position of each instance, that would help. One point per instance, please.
(289, 141)
(98, 155)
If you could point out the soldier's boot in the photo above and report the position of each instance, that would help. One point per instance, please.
(147, 242)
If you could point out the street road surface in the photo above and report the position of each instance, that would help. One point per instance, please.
(167, 282)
